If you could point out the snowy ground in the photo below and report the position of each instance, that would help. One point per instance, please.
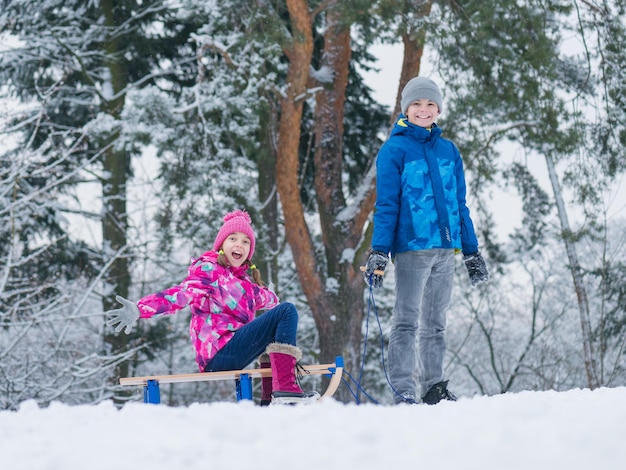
(578, 429)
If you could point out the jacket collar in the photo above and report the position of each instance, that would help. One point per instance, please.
(404, 127)
(212, 256)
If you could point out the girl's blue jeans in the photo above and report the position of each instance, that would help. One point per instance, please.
(423, 292)
(278, 325)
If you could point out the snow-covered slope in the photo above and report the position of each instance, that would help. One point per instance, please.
(579, 429)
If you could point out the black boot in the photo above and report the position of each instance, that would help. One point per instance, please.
(437, 393)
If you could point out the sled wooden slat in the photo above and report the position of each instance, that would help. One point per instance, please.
(376, 271)
(242, 377)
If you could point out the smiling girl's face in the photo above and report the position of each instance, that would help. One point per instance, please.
(236, 248)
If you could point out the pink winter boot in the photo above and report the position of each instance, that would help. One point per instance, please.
(266, 382)
(285, 388)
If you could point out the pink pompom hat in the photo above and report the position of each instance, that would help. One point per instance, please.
(236, 221)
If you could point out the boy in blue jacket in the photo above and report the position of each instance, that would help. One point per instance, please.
(421, 220)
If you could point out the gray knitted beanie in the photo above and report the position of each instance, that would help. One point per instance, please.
(420, 88)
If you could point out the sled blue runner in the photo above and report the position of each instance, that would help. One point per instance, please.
(243, 380)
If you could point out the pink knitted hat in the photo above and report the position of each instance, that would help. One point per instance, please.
(236, 221)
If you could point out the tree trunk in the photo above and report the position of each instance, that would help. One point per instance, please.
(339, 316)
(115, 168)
(575, 269)
(266, 162)
(299, 53)
(337, 311)
(413, 42)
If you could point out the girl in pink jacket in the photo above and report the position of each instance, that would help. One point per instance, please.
(223, 300)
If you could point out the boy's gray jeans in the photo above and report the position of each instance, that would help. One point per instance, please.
(423, 291)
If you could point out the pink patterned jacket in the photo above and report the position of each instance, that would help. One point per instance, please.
(221, 300)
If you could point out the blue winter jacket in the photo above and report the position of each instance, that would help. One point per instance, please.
(406, 216)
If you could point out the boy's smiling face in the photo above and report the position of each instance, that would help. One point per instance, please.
(236, 248)
(422, 113)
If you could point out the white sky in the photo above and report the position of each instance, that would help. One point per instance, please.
(572, 430)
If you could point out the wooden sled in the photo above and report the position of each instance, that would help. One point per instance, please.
(243, 380)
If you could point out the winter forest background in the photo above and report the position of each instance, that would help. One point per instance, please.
(128, 128)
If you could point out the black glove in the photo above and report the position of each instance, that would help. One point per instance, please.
(476, 268)
(377, 261)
